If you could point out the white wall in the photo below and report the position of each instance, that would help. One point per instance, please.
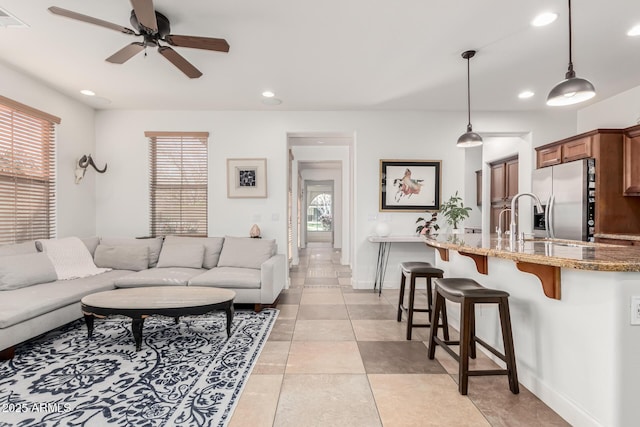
(122, 194)
(620, 111)
(76, 207)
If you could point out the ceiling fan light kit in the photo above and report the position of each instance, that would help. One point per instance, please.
(572, 90)
(154, 28)
(469, 138)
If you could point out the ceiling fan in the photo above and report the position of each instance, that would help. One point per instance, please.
(154, 27)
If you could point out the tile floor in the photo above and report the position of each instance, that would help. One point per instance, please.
(338, 357)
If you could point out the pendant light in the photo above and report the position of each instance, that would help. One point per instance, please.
(572, 89)
(470, 138)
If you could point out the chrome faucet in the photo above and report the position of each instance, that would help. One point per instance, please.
(499, 231)
(514, 204)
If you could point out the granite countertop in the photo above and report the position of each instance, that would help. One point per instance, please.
(551, 252)
(635, 237)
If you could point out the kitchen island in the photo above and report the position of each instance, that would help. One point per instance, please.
(571, 315)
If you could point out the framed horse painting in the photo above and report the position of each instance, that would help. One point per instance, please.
(410, 185)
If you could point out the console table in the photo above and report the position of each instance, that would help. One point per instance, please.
(384, 247)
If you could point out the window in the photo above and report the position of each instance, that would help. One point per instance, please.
(319, 216)
(178, 185)
(27, 172)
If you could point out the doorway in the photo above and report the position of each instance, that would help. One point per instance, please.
(320, 169)
(318, 198)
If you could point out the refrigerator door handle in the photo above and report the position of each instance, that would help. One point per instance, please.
(548, 217)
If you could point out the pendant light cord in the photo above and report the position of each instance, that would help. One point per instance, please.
(468, 97)
(570, 72)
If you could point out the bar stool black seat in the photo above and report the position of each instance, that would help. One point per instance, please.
(413, 270)
(467, 293)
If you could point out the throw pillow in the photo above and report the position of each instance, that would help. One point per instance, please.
(19, 271)
(70, 258)
(245, 252)
(189, 256)
(126, 257)
(154, 244)
(28, 247)
(212, 247)
(91, 243)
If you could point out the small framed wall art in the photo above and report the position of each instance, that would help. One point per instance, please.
(410, 185)
(246, 178)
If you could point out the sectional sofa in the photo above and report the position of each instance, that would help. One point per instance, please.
(42, 282)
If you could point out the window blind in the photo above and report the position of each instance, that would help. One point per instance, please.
(27, 173)
(178, 183)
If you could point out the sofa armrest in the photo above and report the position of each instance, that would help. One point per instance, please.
(273, 278)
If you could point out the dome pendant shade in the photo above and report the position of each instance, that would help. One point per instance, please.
(470, 138)
(572, 90)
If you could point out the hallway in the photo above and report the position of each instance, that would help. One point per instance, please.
(338, 357)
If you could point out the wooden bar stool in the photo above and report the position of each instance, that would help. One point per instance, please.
(467, 293)
(415, 270)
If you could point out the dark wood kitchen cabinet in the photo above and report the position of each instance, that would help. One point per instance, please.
(504, 186)
(631, 158)
(567, 150)
(617, 175)
(504, 180)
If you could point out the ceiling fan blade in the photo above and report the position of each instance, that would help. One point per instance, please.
(91, 20)
(176, 59)
(126, 53)
(208, 43)
(146, 14)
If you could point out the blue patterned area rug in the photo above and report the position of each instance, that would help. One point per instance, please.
(186, 374)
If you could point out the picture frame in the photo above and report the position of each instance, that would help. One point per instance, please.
(247, 178)
(410, 185)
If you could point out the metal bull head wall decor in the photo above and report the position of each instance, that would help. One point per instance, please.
(81, 168)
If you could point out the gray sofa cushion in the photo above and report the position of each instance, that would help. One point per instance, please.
(212, 247)
(228, 277)
(246, 252)
(158, 277)
(154, 244)
(28, 247)
(18, 271)
(123, 257)
(91, 243)
(175, 255)
(32, 301)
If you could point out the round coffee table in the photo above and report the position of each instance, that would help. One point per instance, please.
(140, 303)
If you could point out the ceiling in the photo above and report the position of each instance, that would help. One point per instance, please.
(332, 54)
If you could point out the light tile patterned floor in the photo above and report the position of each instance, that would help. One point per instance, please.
(338, 357)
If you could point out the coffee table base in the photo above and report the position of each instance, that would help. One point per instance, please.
(138, 316)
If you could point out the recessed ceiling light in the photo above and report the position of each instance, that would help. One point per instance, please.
(268, 94)
(543, 19)
(320, 142)
(525, 94)
(87, 92)
(635, 31)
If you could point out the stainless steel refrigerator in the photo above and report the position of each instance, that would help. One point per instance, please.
(572, 214)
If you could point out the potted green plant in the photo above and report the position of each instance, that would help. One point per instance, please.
(425, 226)
(454, 211)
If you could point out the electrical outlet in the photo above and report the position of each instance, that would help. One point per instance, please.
(635, 310)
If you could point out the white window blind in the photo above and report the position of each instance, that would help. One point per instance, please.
(178, 184)
(27, 173)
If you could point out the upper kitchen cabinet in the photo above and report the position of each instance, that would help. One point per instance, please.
(504, 180)
(569, 149)
(631, 158)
